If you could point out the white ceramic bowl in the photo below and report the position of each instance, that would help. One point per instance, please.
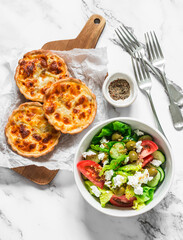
(133, 90)
(160, 192)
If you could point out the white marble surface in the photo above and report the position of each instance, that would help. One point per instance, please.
(57, 211)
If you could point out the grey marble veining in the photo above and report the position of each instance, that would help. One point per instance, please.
(58, 211)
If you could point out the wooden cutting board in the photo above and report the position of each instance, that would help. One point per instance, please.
(87, 38)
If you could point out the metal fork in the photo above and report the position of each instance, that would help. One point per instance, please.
(156, 57)
(130, 43)
(144, 82)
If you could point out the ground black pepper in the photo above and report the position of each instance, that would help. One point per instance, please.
(119, 89)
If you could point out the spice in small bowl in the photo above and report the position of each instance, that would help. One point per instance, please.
(119, 90)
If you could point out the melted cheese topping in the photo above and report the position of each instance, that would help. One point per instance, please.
(29, 132)
(70, 106)
(37, 71)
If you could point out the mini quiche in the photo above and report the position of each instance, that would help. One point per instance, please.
(28, 131)
(37, 71)
(70, 106)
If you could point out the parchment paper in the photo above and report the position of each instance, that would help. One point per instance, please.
(90, 66)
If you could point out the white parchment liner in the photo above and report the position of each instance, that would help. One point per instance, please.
(88, 65)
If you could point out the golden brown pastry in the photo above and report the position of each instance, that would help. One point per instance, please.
(37, 71)
(70, 106)
(29, 132)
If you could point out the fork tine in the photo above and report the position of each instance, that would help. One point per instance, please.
(141, 65)
(151, 48)
(131, 35)
(145, 67)
(127, 48)
(134, 69)
(138, 68)
(159, 48)
(127, 39)
(147, 70)
(155, 46)
(148, 47)
(123, 43)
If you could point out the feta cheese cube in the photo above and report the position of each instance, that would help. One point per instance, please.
(89, 153)
(138, 132)
(102, 145)
(138, 190)
(144, 177)
(95, 191)
(138, 146)
(137, 179)
(156, 163)
(101, 156)
(118, 181)
(105, 162)
(133, 180)
(108, 183)
(108, 174)
(104, 140)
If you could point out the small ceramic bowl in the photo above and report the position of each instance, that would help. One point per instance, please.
(120, 103)
(160, 192)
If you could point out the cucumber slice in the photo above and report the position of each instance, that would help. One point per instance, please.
(162, 173)
(117, 150)
(159, 156)
(145, 137)
(154, 182)
(93, 157)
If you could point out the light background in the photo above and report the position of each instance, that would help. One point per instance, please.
(58, 211)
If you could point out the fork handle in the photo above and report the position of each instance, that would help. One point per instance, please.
(176, 91)
(175, 112)
(155, 114)
(166, 86)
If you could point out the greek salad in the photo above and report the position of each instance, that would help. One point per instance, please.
(122, 167)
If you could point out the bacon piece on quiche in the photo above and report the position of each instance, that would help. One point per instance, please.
(70, 106)
(29, 132)
(37, 71)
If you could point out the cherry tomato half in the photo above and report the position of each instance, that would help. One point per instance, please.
(90, 170)
(122, 201)
(148, 148)
(146, 160)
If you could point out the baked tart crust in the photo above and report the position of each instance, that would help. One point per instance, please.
(28, 131)
(37, 71)
(70, 106)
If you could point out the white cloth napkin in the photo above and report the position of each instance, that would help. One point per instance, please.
(88, 65)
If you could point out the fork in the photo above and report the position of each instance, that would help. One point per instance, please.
(157, 59)
(144, 82)
(130, 43)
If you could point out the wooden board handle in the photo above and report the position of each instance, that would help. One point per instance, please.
(91, 32)
(87, 38)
